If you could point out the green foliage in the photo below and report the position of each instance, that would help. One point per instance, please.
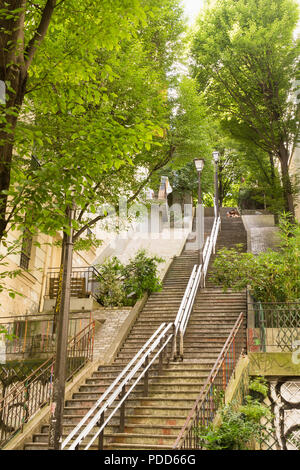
(140, 275)
(191, 137)
(240, 426)
(246, 60)
(7, 335)
(95, 110)
(111, 291)
(6, 273)
(123, 285)
(260, 385)
(272, 276)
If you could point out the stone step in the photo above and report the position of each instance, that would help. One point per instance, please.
(142, 439)
(153, 422)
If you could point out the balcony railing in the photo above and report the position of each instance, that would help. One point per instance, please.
(84, 282)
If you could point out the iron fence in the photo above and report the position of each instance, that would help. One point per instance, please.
(278, 325)
(211, 395)
(34, 335)
(20, 401)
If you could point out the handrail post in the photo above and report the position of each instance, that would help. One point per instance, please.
(174, 344)
(101, 435)
(160, 361)
(181, 345)
(122, 411)
(146, 378)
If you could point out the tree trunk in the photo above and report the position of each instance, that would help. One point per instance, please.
(286, 182)
(15, 59)
(7, 134)
(273, 185)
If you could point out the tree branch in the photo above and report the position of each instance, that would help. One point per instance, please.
(40, 32)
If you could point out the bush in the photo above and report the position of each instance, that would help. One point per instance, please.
(240, 427)
(122, 285)
(273, 276)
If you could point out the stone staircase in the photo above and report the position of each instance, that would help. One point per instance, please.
(154, 421)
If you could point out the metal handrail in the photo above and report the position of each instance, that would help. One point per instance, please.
(143, 363)
(187, 303)
(28, 396)
(206, 394)
(110, 388)
(180, 324)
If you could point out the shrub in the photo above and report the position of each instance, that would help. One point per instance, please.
(273, 276)
(240, 426)
(122, 285)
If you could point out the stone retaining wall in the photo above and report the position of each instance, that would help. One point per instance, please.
(109, 321)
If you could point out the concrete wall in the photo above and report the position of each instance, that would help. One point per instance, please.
(261, 232)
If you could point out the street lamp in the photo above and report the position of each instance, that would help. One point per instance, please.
(216, 156)
(199, 164)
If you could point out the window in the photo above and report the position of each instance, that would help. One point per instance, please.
(26, 250)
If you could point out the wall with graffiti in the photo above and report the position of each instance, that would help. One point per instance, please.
(284, 402)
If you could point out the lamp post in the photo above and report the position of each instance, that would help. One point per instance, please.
(216, 160)
(199, 164)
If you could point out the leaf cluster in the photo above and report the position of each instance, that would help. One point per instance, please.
(239, 428)
(123, 285)
(272, 276)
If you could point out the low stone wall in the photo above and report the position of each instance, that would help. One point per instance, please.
(112, 327)
(109, 321)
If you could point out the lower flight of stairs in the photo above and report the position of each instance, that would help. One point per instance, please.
(154, 421)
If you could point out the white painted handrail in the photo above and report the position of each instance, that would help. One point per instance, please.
(138, 362)
(198, 272)
(110, 388)
(148, 348)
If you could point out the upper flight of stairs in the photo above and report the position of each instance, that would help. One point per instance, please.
(154, 421)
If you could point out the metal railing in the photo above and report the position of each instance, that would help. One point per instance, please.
(31, 335)
(23, 399)
(84, 282)
(187, 303)
(207, 403)
(121, 388)
(278, 324)
(116, 394)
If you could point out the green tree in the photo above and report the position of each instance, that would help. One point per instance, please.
(190, 137)
(24, 29)
(245, 61)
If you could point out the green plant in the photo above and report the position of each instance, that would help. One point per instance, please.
(140, 275)
(122, 285)
(253, 410)
(110, 291)
(240, 426)
(259, 385)
(272, 276)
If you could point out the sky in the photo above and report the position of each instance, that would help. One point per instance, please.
(192, 8)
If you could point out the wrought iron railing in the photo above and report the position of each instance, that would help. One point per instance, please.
(113, 400)
(84, 282)
(23, 399)
(32, 335)
(208, 401)
(278, 325)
